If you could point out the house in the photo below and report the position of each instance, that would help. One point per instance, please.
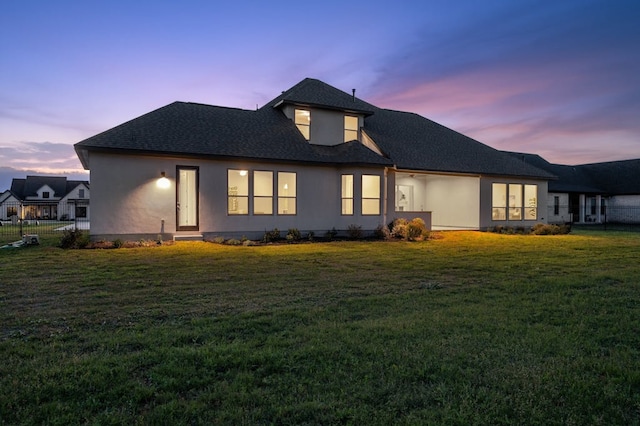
(314, 158)
(591, 193)
(45, 198)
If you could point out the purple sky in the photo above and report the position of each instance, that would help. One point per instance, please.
(556, 78)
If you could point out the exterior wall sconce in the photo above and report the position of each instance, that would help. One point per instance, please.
(163, 182)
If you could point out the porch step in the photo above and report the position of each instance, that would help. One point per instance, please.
(188, 237)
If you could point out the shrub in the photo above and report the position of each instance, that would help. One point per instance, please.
(331, 234)
(117, 243)
(233, 242)
(74, 239)
(399, 228)
(382, 232)
(293, 234)
(354, 232)
(311, 235)
(218, 240)
(547, 229)
(270, 236)
(416, 229)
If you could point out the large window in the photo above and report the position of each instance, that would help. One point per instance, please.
(303, 122)
(556, 205)
(499, 201)
(531, 202)
(286, 193)
(515, 201)
(262, 192)
(238, 192)
(350, 128)
(370, 195)
(347, 194)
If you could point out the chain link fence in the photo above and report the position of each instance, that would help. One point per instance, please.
(19, 219)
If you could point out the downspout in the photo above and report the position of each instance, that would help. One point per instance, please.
(386, 196)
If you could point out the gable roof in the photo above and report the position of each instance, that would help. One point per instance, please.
(28, 187)
(408, 140)
(202, 130)
(311, 92)
(614, 177)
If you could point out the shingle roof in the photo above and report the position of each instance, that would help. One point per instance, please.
(203, 130)
(408, 140)
(312, 92)
(614, 177)
(23, 188)
(414, 142)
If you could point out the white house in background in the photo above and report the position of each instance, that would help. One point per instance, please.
(314, 158)
(46, 198)
(591, 193)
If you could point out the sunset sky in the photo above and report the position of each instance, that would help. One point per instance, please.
(556, 78)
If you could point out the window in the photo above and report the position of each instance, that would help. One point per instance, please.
(81, 211)
(520, 201)
(303, 122)
(347, 194)
(262, 192)
(286, 193)
(238, 192)
(12, 211)
(45, 194)
(515, 201)
(350, 128)
(531, 202)
(499, 201)
(370, 195)
(80, 193)
(556, 205)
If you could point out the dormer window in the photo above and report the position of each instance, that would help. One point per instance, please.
(45, 194)
(303, 121)
(350, 128)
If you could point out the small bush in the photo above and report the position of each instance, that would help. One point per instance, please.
(74, 239)
(399, 228)
(117, 243)
(311, 235)
(331, 234)
(293, 235)
(354, 232)
(416, 229)
(382, 232)
(233, 242)
(271, 236)
(547, 229)
(218, 240)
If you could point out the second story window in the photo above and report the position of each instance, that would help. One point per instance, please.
(81, 193)
(45, 194)
(350, 128)
(303, 122)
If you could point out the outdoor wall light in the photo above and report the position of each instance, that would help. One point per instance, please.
(163, 182)
(243, 172)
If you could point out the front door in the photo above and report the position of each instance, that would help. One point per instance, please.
(187, 198)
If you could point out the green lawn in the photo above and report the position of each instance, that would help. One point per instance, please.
(471, 328)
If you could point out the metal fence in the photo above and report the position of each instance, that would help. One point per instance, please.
(18, 219)
(623, 218)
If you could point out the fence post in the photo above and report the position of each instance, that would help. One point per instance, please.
(21, 218)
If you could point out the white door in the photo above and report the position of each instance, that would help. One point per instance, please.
(187, 199)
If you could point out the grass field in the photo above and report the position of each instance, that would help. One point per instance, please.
(471, 328)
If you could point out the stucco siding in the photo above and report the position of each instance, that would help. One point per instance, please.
(127, 201)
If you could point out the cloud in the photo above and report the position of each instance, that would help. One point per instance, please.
(527, 74)
(42, 157)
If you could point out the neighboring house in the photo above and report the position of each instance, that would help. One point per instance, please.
(314, 158)
(46, 198)
(591, 193)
